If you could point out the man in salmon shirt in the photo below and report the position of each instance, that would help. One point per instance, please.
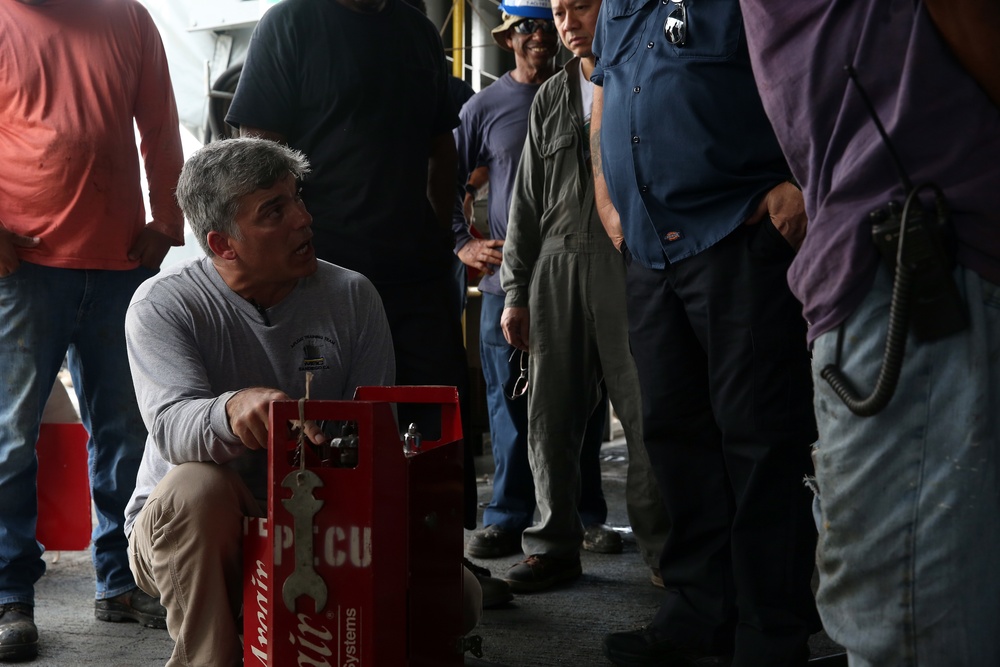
(74, 245)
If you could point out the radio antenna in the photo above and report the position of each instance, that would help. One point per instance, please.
(907, 184)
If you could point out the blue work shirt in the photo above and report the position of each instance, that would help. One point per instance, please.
(686, 147)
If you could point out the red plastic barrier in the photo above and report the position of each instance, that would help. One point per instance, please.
(64, 516)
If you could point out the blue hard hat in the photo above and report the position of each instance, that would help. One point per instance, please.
(532, 9)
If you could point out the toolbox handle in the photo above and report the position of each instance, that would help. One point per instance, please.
(446, 396)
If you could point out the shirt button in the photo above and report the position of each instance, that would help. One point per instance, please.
(644, 189)
(649, 45)
(635, 140)
(637, 89)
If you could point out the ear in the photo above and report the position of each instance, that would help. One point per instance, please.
(509, 38)
(220, 245)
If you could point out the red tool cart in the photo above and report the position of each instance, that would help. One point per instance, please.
(359, 559)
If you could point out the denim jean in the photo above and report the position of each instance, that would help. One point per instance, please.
(46, 313)
(909, 498)
(513, 504)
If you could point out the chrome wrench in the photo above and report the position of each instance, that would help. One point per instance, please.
(303, 507)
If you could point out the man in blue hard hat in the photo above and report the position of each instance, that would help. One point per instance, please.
(494, 124)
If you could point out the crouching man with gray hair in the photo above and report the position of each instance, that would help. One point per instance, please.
(211, 343)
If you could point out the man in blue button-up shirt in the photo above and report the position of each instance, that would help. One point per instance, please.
(693, 189)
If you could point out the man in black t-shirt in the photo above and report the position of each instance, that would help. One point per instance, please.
(361, 87)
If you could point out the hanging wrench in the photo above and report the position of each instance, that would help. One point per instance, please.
(303, 507)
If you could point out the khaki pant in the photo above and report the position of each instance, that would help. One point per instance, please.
(186, 549)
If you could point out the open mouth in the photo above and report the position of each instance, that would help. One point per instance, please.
(304, 248)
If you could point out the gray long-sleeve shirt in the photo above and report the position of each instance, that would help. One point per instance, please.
(193, 343)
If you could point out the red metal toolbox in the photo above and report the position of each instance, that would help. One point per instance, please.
(364, 565)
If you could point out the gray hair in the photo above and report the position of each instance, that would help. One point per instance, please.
(219, 175)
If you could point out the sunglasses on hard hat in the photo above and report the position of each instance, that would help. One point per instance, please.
(529, 26)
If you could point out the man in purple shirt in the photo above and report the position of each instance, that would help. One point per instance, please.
(907, 478)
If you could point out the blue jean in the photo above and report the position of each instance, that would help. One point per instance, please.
(513, 504)
(909, 498)
(46, 313)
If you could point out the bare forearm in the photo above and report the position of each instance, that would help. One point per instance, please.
(602, 198)
(480, 180)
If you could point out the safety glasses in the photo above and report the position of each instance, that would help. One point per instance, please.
(675, 27)
(520, 385)
(529, 26)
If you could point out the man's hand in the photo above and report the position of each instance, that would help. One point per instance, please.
(150, 248)
(313, 431)
(514, 322)
(787, 210)
(248, 413)
(482, 254)
(9, 243)
(612, 222)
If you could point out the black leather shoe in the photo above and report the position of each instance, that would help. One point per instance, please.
(18, 634)
(132, 606)
(649, 647)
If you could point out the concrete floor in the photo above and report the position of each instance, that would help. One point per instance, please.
(550, 629)
(70, 636)
(565, 626)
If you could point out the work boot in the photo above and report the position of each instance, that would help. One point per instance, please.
(496, 592)
(133, 605)
(18, 634)
(493, 542)
(602, 539)
(536, 573)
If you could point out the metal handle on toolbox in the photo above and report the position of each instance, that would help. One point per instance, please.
(446, 396)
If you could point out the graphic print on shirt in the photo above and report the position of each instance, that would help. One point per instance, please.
(314, 349)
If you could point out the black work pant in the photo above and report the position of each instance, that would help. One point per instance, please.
(719, 342)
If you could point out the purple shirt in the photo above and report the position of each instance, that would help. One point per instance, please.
(941, 123)
(494, 124)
